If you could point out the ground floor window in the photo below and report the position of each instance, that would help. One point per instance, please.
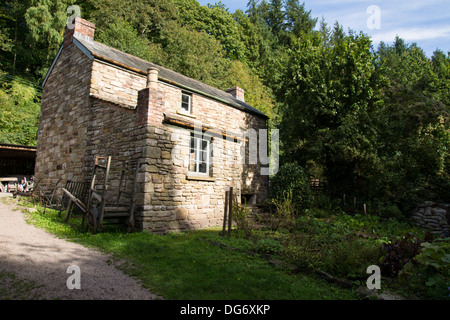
(200, 155)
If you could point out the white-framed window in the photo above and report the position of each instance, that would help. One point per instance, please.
(200, 155)
(186, 102)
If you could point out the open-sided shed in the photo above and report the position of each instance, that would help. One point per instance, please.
(16, 160)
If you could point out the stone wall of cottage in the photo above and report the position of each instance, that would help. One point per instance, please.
(62, 131)
(89, 109)
(111, 132)
(116, 84)
(172, 198)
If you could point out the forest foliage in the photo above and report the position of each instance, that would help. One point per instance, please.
(369, 122)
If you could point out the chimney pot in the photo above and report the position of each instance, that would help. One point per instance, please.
(152, 77)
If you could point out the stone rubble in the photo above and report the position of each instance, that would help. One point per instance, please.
(433, 216)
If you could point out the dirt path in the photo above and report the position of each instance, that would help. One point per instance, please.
(31, 254)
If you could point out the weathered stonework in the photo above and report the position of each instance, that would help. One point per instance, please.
(92, 107)
(433, 216)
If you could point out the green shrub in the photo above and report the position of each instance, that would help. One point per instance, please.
(269, 246)
(385, 209)
(283, 215)
(241, 215)
(292, 178)
(320, 213)
(324, 206)
(304, 251)
(350, 258)
(434, 262)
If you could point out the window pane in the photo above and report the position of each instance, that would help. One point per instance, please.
(203, 156)
(204, 145)
(199, 155)
(185, 102)
(203, 168)
(192, 155)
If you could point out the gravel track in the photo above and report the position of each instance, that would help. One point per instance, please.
(33, 255)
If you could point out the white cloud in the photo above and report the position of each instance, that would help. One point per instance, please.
(412, 34)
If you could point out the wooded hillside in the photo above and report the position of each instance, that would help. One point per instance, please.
(370, 122)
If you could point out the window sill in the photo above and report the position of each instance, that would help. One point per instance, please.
(200, 178)
(186, 114)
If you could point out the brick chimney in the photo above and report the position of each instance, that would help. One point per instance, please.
(237, 92)
(79, 28)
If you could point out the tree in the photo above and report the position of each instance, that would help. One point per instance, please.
(215, 21)
(147, 17)
(413, 127)
(276, 17)
(15, 53)
(46, 20)
(123, 36)
(299, 20)
(330, 95)
(196, 55)
(19, 112)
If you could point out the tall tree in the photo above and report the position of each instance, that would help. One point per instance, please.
(19, 111)
(13, 27)
(414, 125)
(147, 17)
(330, 95)
(276, 19)
(298, 19)
(46, 20)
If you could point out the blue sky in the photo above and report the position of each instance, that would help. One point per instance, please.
(426, 22)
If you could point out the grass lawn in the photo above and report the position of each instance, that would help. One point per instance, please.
(184, 266)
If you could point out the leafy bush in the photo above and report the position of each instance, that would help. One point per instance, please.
(434, 261)
(398, 254)
(391, 211)
(292, 178)
(269, 246)
(304, 251)
(241, 215)
(428, 274)
(350, 258)
(323, 205)
(283, 214)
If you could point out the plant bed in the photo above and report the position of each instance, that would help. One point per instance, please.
(343, 246)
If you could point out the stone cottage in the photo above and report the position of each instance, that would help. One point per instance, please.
(190, 140)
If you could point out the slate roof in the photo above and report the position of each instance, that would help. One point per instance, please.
(104, 52)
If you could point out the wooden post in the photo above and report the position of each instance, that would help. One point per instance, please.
(345, 204)
(365, 209)
(354, 202)
(230, 208)
(225, 210)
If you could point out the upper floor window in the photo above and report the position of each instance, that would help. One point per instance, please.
(186, 102)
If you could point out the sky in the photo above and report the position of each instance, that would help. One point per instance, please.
(425, 22)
